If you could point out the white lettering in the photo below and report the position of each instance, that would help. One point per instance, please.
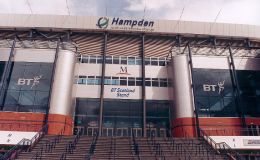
(29, 81)
(207, 87)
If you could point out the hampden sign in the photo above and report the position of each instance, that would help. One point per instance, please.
(125, 24)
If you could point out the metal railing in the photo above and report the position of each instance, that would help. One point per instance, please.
(156, 147)
(221, 147)
(71, 146)
(23, 145)
(92, 146)
(180, 148)
(49, 145)
(136, 147)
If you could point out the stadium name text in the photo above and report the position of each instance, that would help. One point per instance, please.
(122, 92)
(132, 23)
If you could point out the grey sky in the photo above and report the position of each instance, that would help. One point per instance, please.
(227, 11)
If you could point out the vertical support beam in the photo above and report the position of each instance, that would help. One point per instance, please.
(236, 87)
(102, 86)
(52, 79)
(143, 87)
(6, 74)
(193, 90)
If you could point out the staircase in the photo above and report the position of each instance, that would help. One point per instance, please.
(124, 148)
(114, 148)
(79, 153)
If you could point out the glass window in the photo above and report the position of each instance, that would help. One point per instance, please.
(162, 62)
(138, 61)
(107, 81)
(108, 59)
(115, 60)
(26, 97)
(12, 97)
(148, 82)
(203, 106)
(99, 59)
(163, 82)
(147, 61)
(27, 81)
(131, 60)
(154, 61)
(98, 80)
(155, 82)
(91, 80)
(123, 81)
(85, 59)
(82, 79)
(41, 98)
(93, 59)
(131, 81)
(115, 81)
(139, 81)
(123, 60)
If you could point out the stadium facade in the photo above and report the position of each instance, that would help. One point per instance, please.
(123, 76)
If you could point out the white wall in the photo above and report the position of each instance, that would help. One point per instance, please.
(221, 62)
(29, 55)
(87, 91)
(14, 137)
(93, 91)
(239, 142)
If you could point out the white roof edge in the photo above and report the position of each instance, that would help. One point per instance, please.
(68, 22)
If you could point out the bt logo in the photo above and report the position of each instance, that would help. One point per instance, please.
(29, 81)
(103, 22)
(213, 88)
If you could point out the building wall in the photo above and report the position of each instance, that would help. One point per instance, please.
(215, 70)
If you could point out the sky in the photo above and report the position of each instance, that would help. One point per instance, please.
(221, 11)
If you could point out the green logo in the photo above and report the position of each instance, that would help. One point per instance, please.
(103, 22)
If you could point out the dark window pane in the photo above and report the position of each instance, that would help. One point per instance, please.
(92, 59)
(99, 59)
(131, 60)
(115, 81)
(155, 82)
(163, 82)
(82, 79)
(107, 81)
(138, 61)
(139, 81)
(98, 80)
(123, 60)
(115, 60)
(147, 81)
(131, 81)
(108, 60)
(147, 61)
(85, 59)
(123, 81)
(154, 61)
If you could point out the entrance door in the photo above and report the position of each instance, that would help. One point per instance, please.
(108, 131)
(122, 132)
